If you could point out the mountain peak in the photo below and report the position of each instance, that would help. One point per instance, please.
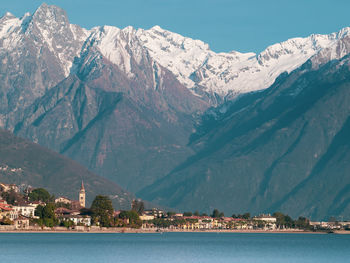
(344, 32)
(128, 29)
(7, 15)
(157, 28)
(44, 7)
(47, 13)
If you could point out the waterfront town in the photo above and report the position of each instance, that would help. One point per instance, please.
(36, 210)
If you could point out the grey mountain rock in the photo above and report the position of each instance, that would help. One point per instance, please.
(283, 149)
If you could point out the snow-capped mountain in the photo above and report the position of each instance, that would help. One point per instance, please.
(197, 67)
(192, 62)
(47, 28)
(96, 96)
(36, 52)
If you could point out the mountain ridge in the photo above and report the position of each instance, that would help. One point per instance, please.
(201, 70)
(284, 149)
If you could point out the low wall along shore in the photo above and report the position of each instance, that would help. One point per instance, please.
(96, 229)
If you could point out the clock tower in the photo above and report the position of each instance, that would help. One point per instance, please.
(82, 195)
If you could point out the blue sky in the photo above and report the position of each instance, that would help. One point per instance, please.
(242, 25)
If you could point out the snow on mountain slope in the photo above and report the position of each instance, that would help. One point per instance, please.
(179, 54)
(191, 61)
(119, 46)
(195, 64)
(9, 31)
(48, 28)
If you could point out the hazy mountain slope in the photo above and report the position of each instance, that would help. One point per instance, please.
(34, 165)
(285, 148)
(129, 130)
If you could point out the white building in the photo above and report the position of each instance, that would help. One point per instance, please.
(145, 217)
(13, 214)
(63, 199)
(266, 218)
(269, 221)
(78, 219)
(25, 210)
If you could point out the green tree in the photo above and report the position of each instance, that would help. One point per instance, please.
(217, 214)
(302, 223)
(246, 216)
(138, 206)
(40, 194)
(39, 211)
(283, 220)
(12, 197)
(133, 218)
(67, 223)
(187, 213)
(86, 212)
(162, 223)
(102, 210)
(280, 222)
(196, 213)
(171, 214)
(288, 221)
(49, 211)
(46, 214)
(6, 221)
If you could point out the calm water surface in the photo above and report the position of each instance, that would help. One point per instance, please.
(174, 247)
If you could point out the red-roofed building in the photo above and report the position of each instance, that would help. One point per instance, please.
(61, 211)
(5, 211)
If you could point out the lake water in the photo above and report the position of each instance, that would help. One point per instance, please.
(174, 247)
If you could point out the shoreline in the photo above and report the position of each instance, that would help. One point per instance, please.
(155, 231)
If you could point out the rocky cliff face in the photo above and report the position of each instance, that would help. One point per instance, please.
(36, 52)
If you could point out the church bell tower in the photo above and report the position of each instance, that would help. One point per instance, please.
(82, 195)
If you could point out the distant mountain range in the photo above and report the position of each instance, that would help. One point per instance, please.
(126, 102)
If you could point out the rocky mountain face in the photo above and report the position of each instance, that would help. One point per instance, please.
(36, 52)
(121, 114)
(125, 102)
(285, 148)
(44, 46)
(28, 164)
(115, 127)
